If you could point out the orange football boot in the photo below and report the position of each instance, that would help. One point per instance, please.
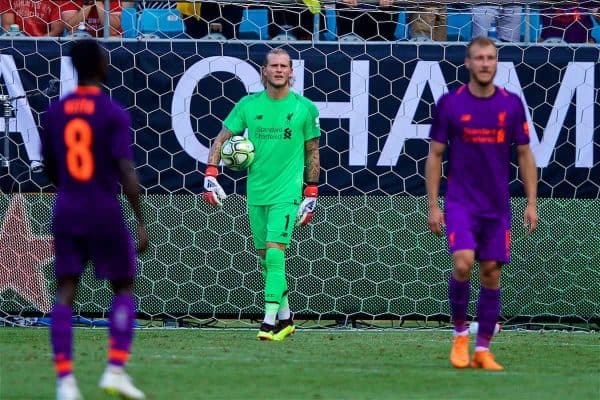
(485, 360)
(459, 355)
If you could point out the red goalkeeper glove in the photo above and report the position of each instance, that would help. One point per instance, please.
(214, 193)
(306, 211)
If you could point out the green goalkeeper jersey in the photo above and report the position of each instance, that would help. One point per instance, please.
(278, 129)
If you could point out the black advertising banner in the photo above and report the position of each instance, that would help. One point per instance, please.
(375, 102)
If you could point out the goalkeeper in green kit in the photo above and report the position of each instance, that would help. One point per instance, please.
(284, 128)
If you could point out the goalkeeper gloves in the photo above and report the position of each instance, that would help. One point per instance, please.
(306, 211)
(214, 193)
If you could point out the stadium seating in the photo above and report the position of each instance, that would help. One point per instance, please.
(460, 23)
(401, 32)
(596, 30)
(129, 22)
(163, 23)
(330, 32)
(286, 34)
(533, 22)
(255, 24)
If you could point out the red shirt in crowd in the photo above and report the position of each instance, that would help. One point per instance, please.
(93, 24)
(33, 17)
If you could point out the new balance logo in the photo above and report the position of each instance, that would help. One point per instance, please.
(259, 117)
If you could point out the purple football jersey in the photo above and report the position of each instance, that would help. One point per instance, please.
(479, 133)
(83, 136)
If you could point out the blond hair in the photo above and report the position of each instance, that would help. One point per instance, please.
(480, 41)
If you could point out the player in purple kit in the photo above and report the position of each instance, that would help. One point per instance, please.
(479, 122)
(86, 143)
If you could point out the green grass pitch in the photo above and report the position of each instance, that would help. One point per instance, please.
(313, 364)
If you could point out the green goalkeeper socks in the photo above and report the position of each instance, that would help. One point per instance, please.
(275, 283)
(263, 267)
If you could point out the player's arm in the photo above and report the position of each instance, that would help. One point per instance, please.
(214, 154)
(312, 163)
(114, 17)
(433, 174)
(56, 28)
(73, 17)
(8, 18)
(122, 153)
(214, 193)
(528, 174)
(312, 169)
(50, 165)
(131, 188)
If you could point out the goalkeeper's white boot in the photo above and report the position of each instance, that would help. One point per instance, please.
(116, 382)
(66, 389)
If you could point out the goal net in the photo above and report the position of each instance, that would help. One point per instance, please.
(368, 254)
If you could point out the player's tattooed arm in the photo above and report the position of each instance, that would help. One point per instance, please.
(214, 154)
(312, 162)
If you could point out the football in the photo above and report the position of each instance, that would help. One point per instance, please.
(237, 153)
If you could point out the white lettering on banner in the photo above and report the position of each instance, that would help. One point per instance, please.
(578, 82)
(184, 91)
(25, 124)
(180, 108)
(68, 76)
(356, 111)
(426, 72)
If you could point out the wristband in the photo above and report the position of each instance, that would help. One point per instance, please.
(311, 190)
(211, 170)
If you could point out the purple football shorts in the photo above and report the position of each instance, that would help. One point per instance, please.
(113, 255)
(488, 237)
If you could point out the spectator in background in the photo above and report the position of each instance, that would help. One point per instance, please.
(213, 17)
(34, 18)
(69, 14)
(192, 19)
(92, 13)
(570, 22)
(300, 18)
(201, 17)
(368, 21)
(430, 21)
(507, 18)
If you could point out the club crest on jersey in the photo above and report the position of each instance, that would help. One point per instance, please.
(289, 117)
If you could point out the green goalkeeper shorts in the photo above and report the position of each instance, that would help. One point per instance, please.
(272, 223)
